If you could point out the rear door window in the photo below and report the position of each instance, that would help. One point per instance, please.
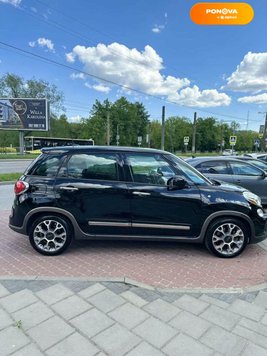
(102, 166)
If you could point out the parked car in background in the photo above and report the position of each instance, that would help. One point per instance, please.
(234, 171)
(256, 162)
(261, 156)
(229, 152)
(128, 193)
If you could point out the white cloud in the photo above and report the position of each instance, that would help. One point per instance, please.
(165, 15)
(141, 70)
(74, 119)
(254, 99)
(98, 87)
(158, 28)
(44, 43)
(34, 9)
(205, 98)
(70, 57)
(250, 75)
(11, 2)
(102, 88)
(77, 76)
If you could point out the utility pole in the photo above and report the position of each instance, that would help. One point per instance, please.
(108, 129)
(222, 139)
(247, 121)
(194, 134)
(117, 136)
(265, 129)
(163, 128)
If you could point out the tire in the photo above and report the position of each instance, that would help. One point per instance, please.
(227, 237)
(50, 235)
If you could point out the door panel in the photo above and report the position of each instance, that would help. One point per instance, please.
(157, 211)
(251, 178)
(91, 190)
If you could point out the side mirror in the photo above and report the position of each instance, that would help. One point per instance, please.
(176, 183)
(214, 181)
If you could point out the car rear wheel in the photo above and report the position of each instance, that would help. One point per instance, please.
(227, 238)
(50, 235)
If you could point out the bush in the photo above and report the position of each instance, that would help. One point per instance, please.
(8, 150)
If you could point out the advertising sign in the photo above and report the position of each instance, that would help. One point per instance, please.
(24, 114)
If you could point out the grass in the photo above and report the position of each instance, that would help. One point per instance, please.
(18, 156)
(8, 177)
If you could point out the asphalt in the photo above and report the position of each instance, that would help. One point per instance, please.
(99, 315)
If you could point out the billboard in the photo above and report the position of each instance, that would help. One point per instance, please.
(24, 114)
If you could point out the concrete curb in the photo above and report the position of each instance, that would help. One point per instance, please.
(8, 182)
(134, 283)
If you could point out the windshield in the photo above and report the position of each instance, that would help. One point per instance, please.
(188, 171)
(259, 164)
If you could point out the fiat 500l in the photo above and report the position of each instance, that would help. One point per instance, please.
(128, 193)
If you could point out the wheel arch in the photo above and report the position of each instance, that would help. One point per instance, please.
(38, 212)
(227, 214)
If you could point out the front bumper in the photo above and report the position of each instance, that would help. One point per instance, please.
(260, 225)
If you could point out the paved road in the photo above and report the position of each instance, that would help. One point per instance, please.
(14, 166)
(6, 196)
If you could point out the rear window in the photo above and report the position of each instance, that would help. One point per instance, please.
(45, 166)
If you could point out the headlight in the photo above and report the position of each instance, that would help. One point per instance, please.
(252, 198)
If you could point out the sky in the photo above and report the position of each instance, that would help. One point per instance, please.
(146, 50)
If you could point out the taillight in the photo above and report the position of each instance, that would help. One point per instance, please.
(20, 187)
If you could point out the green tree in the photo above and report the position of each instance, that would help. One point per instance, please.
(176, 128)
(130, 120)
(209, 134)
(155, 134)
(14, 86)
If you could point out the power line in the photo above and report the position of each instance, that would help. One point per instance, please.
(66, 66)
(77, 34)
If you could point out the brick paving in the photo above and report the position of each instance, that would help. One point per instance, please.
(161, 264)
(57, 317)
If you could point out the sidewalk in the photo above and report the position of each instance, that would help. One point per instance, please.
(74, 317)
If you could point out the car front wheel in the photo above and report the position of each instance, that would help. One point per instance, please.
(50, 235)
(227, 237)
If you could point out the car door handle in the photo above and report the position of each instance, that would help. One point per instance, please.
(141, 193)
(238, 181)
(69, 188)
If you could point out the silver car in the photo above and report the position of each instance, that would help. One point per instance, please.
(235, 171)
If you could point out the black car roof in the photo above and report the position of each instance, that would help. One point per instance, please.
(65, 149)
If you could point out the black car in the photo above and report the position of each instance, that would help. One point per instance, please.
(234, 171)
(130, 193)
